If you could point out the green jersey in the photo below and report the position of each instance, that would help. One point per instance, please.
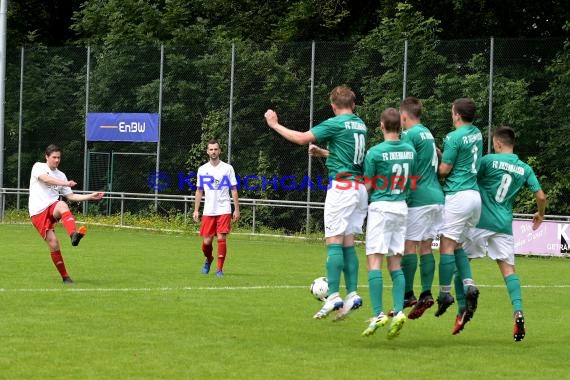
(428, 191)
(462, 148)
(500, 178)
(345, 136)
(390, 165)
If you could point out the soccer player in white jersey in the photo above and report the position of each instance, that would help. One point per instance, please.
(500, 177)
(215, 179)
(345, 136)
(47, 183)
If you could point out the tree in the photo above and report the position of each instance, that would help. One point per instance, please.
(554, 160)
(462, 19)
(379, 61)
(40, 21)
(119, 23)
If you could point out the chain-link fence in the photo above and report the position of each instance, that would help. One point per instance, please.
(222, 91)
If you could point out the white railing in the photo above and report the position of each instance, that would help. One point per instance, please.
(189, 200)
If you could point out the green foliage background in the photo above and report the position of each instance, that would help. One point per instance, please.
(274, 64)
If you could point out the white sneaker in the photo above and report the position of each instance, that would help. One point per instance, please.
(396, 325)
(379, 321)
(352, 302)
(332, 302)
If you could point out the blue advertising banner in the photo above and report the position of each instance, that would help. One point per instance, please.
(134, 127)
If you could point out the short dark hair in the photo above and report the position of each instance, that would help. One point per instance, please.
(412, 106)
(505, 135)
(342, 97)
(391, 119)
(465, 107)
(214, 141)
(52, 148)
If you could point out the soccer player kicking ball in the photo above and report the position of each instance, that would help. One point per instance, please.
(500, 177)
(47, 182)
(386, 224)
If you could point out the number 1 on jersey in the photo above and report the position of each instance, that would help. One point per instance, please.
(474, 150)
(434, 159)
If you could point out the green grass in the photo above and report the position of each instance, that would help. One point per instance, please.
(142, 310)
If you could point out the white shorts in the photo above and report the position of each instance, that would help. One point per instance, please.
(423, 222)
(345, 210)
(386, 228)
(497, 245)
(461, 212)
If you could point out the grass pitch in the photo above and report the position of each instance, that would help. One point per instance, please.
(142, 310)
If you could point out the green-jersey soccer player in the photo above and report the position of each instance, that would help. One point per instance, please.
(425, 208)
(462, 208)
(389, 168)
(500, 177)
(345, 137)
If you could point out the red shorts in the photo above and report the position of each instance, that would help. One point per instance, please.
(215, 224)
(45, 221)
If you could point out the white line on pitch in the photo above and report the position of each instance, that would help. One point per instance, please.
(225, 288)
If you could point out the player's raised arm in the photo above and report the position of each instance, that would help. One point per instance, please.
(300, 138)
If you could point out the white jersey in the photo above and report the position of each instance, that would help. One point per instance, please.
(43, 195)
(216, 181)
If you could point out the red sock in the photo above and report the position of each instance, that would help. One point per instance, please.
(68, 222)
(59, 264)
(221, 253)
(207, 249)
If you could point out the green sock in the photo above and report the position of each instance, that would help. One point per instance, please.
(427, 271)
(376, 285)
(463, 267)
(409, 265)
(459, 293)
(335, 264)
(514, 287)
(398, 285)
(446, 269)
(350, 269)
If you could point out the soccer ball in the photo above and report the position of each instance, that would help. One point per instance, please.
(320, 288)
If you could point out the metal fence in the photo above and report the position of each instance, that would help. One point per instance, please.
(222, 92)
(183, 204)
